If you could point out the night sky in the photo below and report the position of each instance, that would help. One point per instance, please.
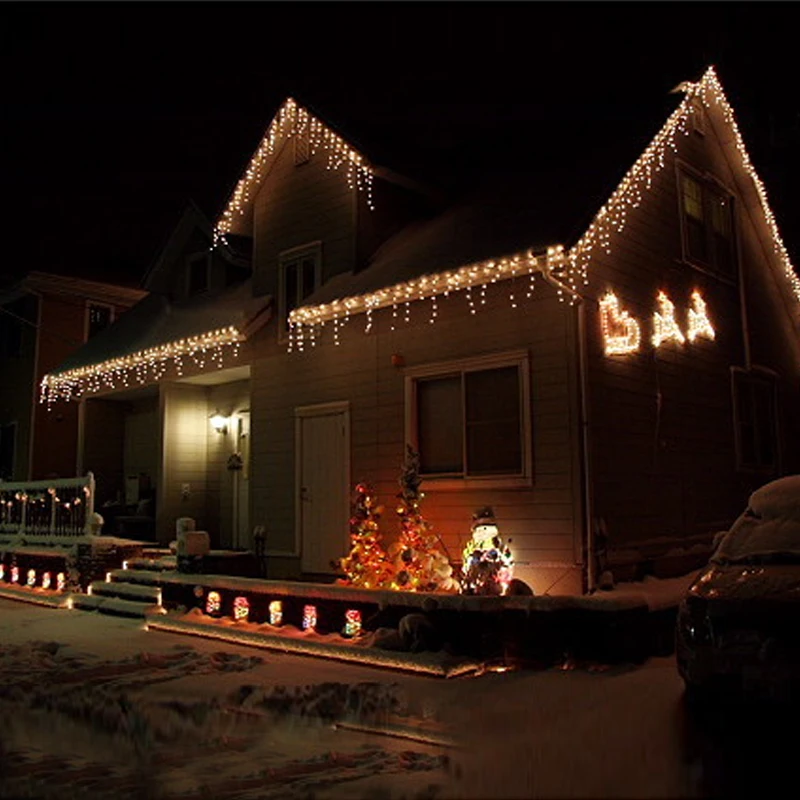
(115, 115)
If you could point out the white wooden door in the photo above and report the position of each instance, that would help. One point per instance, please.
(323, 480)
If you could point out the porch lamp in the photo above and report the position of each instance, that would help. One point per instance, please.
(218, 422)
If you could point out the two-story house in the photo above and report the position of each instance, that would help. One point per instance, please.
(611, 373)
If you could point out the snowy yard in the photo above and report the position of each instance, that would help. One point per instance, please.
(95, 706)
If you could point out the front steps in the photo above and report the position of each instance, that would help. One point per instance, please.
(129, 592)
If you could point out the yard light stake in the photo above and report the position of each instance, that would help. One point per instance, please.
(31, 577)
(241, 608)
(275, 612)
(46, 580)
(14, 574)
(309, 618)
(61, 582)
(352, 622)
(213, 603)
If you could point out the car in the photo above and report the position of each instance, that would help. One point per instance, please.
(738, 627)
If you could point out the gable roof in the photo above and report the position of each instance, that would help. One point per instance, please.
(291, 119)
(514, 217)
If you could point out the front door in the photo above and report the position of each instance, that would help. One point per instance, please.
(323, 484)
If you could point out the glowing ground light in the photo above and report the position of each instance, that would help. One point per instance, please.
(241, 608)
(61, 582)
(46, 580)
(213, 603)
(309, 617)
(352, 622)
(14, 574)
(275, 612)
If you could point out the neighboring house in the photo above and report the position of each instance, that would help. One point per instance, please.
(611, 373)
(149, 385)
(43, 318)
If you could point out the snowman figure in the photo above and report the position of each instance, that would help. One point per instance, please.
(487, 563)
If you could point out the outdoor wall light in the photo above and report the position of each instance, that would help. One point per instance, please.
(218, 422)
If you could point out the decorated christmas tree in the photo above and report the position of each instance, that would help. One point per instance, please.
(366, 565)
(488, 566)
(420, 561)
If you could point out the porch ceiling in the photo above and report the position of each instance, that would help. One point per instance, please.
(239, 373)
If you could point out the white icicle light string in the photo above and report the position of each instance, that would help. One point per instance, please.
(628, 194)
(141, 366)
(293, 120)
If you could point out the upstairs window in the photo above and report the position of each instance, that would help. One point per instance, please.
(708, 225)
(471, 419)
(299, 278)
(99, 318)
(198, 272)
(755, 404)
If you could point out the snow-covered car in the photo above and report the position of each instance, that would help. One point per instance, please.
(738, 627)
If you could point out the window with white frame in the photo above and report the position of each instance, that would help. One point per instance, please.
(299, 277)
(709, 232)
(471, 419)
(755, 410)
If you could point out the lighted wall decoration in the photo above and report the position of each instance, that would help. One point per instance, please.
(141, 366)
(275, 612)
(621, 332)
(309, 617)
(665, 329)
(241, 608)
(213, 603)
(14, 574)
(46, 580)
(293, 120)
(352, 622)
(699, 323)
(61, 582)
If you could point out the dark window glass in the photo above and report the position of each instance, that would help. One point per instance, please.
(99, 319)
(7, 439)
(493, 429)
(440, 425)
(299, 282)
(198, 275)
(708, 224)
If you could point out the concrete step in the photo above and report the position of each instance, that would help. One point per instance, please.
(141, 577)
(114, 605)
(143, 593)
(153, 564)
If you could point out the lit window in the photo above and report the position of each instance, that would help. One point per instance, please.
(100, 317)
(471, 421)
(708, 229)
(755, 418)
(299, 278)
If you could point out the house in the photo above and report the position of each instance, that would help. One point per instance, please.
(150, 384)
(44, 318)
(611, 373)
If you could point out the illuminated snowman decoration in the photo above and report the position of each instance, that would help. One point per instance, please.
(487, 563)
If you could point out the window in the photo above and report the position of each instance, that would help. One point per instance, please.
(8, 433)
(470, 419)
(197, 279)
(100, 317)
(708, 225)
(755, 417)
(299, 277)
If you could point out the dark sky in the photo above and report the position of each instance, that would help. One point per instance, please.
(115, 114)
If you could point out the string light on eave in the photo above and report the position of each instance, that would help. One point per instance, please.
(294, 120)
(142, 366)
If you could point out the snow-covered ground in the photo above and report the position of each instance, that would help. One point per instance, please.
(93, 706)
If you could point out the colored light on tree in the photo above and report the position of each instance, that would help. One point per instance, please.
(61, 582)
(309, 617)
(275, 612)
(46, 580)
(213, 603)
(352, 622)
(241, 608)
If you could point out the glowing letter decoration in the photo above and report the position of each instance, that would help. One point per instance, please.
(309, 618)
(621, 332)
(213, 603)
(664, 326)
(699, 323)
(275, 612)
(241, 608)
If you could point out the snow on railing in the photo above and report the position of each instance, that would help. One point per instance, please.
(62, 507)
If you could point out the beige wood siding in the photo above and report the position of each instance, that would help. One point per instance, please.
(103, 447)
(543, 520)
(296, 205)
(661, 420)
(142, 440)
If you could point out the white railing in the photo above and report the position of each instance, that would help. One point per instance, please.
(62, 507)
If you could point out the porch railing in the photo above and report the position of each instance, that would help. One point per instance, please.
(63, 507)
